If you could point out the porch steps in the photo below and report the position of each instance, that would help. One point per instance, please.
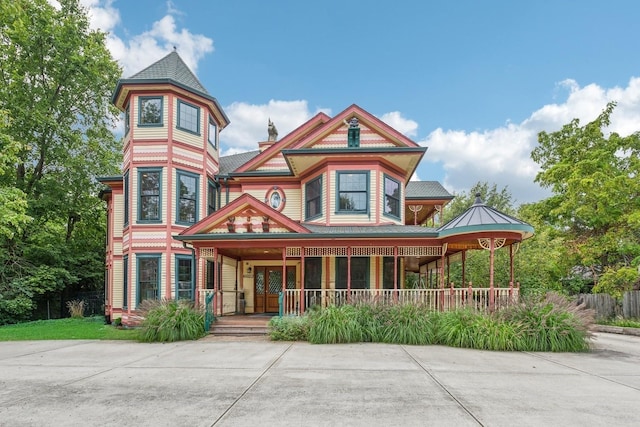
(240, 325)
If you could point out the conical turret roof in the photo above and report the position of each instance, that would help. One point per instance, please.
(172, 68)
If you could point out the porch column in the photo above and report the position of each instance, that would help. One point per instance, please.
(348, 273)
(491, 256)
(464, 265)
(302, 298)
(511, 264)
(215, 281)
(442, 260)
(395, 268)
(284, 270)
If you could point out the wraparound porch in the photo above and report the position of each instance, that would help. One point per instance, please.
(297, 301)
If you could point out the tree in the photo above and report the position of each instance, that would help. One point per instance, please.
(596, 194)
(56, 80)
(490, 195)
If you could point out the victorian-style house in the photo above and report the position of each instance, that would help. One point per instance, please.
(326, 213)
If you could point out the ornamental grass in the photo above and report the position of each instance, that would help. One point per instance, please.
(169, 320)
(549, 323)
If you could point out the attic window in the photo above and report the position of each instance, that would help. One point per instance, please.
(353, 135)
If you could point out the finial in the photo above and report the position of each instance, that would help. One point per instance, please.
(478, 200)
(175, 49)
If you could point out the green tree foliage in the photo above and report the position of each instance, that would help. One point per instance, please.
(501, 200)
(56, 79)
(596, 194)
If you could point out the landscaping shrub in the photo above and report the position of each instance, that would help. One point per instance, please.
(170, 320)
(335, 324)
(550, 324)
(76, 308)
(289, 328)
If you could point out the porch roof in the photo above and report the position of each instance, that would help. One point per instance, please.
(422, 190)
(323, 232)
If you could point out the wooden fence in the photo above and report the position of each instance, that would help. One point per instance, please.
(607, 307)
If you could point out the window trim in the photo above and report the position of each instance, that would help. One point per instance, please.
(178, 258)
(127, 119)
(213, 143)
(307, 200)
(337, 188)
(197, 131)
(179, 174)
(141, 99)
(125, 281)
(126, 196)
(155, 220)
(212, 205)
(157, 257)
(385, 195)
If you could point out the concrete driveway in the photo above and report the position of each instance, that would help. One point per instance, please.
(242, 383)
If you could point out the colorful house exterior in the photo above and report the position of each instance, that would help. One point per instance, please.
(326, 213)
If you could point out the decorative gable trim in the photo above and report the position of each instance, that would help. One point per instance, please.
(246, 214)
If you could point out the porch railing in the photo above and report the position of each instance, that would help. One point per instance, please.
(220, 302)
(296, 301)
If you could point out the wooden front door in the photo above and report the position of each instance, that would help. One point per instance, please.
(268, 282)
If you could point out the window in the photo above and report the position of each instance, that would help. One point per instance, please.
(127, 118)
(212, 197)
(187, 203)
(387, 273)
(126, 198)
(313, 198)
(125, 281)
(148, 277)
(209, 274)
(359, 273)
(188, 117)
(353, 192)
(391, 197)
(149, 184)
(213, 133)
(184, 277)
(313, 273)
(150, 113)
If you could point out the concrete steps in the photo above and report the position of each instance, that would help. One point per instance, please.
(240, 325)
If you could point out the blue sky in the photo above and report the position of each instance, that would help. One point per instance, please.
(475, 81)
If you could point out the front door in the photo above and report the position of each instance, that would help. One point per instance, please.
(268, 282)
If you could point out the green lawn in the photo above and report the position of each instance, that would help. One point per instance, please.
(91, 328)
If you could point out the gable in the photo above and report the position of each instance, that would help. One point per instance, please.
(246, 214)
(329, 134)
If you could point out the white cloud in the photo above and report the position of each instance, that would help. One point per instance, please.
(502, 155)
(102, 15)
(394, 119)
(249, 122)
(141, 50)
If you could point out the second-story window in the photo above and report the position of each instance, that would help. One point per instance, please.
(150, 111)
(149, 184)
(353, 192)
(126, 198)
(212, 197)
(188, 117)
(213, 133)
(391, 197)
(187, 198)
(127, 118)
(313, 198)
